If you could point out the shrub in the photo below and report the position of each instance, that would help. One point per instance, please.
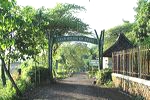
(42, 73)
(36, 74)
(92, 73)
(64, 74)
(104, 76)
(8, 92)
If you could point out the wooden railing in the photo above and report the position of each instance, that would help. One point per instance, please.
(133, 62)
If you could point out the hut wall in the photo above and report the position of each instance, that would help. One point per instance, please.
(133, 62)
(131, 70)
(107, 62)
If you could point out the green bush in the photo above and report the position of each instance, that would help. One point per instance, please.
(23, 81)
(104, 76)
(92, 73)
(8, 92)
(42, 74)
(35, 74)
(64, 74)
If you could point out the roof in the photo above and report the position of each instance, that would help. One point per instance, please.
(122, 43)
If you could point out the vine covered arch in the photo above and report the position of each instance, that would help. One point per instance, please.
(98, 41)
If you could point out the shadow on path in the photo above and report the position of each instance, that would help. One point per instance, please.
(70, 90)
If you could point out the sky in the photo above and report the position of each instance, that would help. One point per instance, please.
(99, 14)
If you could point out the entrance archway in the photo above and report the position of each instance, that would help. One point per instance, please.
(98, 41)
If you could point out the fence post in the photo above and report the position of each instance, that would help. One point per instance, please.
(133, 54)
(117, 62)
(129, 63)
(123, 62)
(131, 58)
(113, 67)
(139, 62)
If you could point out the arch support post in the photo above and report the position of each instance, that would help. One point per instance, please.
(100, 41)
(50, 59)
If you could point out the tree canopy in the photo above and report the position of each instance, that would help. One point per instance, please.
(112, 34)
(24, 30)
(138, 31)
(142, 17)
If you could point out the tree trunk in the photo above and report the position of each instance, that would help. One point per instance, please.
(11, 79)
(3, 75)
(8, 65)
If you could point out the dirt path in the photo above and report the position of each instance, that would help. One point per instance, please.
(78, 87)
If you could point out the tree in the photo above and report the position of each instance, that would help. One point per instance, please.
(72, 55)
(59, 21)
(34, 27)
(26, 30)
(142, 17)
(112, 34)
(28, 37)
(7, 27)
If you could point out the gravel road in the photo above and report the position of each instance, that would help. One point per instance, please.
(77, 87)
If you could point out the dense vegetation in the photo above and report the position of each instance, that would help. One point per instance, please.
(72, 56)
(24, 33)
(112, 34)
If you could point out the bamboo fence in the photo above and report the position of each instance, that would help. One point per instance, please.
(133, 62)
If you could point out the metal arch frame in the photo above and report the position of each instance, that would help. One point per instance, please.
(98, 40)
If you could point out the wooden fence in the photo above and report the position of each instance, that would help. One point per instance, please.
(133, 62)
